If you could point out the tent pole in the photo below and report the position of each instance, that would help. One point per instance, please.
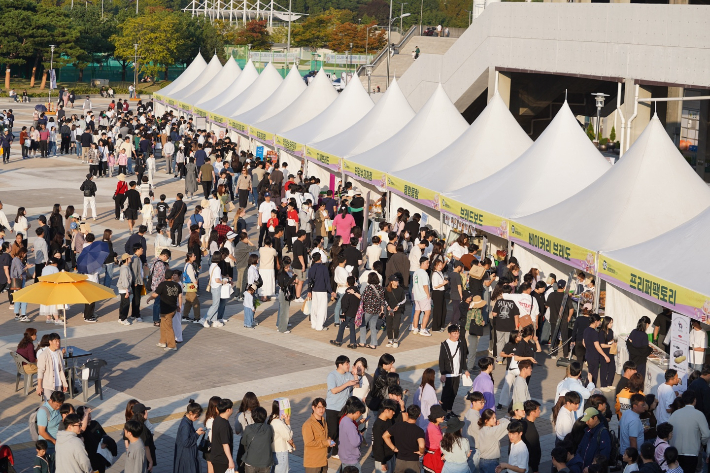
(597, 286)
(365, 222)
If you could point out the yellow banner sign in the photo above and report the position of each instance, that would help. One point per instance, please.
(486, 221)
(655, 289)
(200, 112)
(364, 173)
(561, 250)
(157, 97)
(239, 127)
(289, 146)
(261, 135)
(185, 106)
(417, 193)
(329, 160)
(170, 102)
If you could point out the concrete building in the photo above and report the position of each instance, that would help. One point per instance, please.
(536, 54)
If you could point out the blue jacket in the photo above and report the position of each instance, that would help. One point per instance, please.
(575, 464)
(595, 441)
(319, 278)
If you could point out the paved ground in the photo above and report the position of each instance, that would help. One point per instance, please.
(225, 362)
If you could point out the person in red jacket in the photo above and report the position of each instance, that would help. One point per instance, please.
(26, 349)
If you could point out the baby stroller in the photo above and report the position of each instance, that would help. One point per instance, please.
(7, 461)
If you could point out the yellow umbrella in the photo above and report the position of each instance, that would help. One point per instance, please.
(63, 277)
(80, 291)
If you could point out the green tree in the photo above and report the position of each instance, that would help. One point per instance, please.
(199, 35)
(316, 31)
(612, 135)
(590, 132)
(94, 39)
(20, 36)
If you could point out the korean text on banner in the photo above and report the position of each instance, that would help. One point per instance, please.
(485, 221)
(561, 250)
(219, 119)
(199, 112)
(655, 289)
(330, 161)
(364, 173)
(419, 194)
(291, 147)
(185, 106)
(261, 135)
(170, 102)
(239, 127)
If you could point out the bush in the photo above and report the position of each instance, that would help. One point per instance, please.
(590, 132)
(604, 141)
(612, 135)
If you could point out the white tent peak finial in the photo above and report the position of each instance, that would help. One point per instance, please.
(565, 95)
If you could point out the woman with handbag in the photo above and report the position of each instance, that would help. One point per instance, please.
(185, 458)
(18, 278)
(608, 345)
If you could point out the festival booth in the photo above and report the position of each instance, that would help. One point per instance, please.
(351, 105)
(193, 71)
(318, 96)
(245, 79)
(252, 96)
(559, 163)
(216, 87)
(435, 126)
(205, 78)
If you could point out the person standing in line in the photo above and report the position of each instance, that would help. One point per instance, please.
(283, 437)
(316, 440)
(406, 439)
(666, 395)
(381, 453)
(698, 344)
(422, 298)
(531, 437)
(637, 345)
(631, 431)
(520, 385)
(177, 216)
(349, 436)
(285, 280)
(136, 461)
(340, 385)
(71, 454)
(439, 284)
(690, 431)
(170, 294)
(222, 450)
(702, 392)
(264, 215)
(593, 353)
(453, 353)
(319, 281)
(257, 441)
(138, 270)
(88, 187)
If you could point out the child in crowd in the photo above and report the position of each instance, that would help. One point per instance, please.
(111, 163)
(41, 462)
(671, 458)
(162, 209)
(146, 188)
(122, 161)
(249, 308)
(147, 214)
(631, 458)
(518, 456)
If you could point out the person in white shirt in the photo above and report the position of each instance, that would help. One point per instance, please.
(341, 281)
(567, 414)
(373, 252)
(421, 297)
(572, 383)
(518, 456)
(698, 344)
(264, 215)
(666, 395)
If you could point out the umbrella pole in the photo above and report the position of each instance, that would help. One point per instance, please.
(64, 310)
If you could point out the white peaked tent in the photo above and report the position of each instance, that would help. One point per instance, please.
(649, 191)
(435, 126)
(261, 89)
(492, 142)
(561, 161)
(288, 90)
(217, 85)
(207, 75)
(245, 79)
(390, 115)
(192, 72)
(351, 105)
(317, 97)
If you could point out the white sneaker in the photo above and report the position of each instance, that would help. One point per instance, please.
(24, 318)
(300, 299)
(138, 319)
(389, 343)
(414, 331)
(425, 333)
(395, 345)
(49, 321)
(58, 322)
(161, 345)
(218, 324)
(198, 321)
(206, 324)
(12, 307)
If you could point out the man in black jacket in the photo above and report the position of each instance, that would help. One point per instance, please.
(702, 392)
(133, 206)
(137, 238)
(88, 187)
(86, 139)
(177, 216)
(65, 133)
(349, 306)
(452, 364)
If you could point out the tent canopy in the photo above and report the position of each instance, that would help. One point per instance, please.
(192, 72)
(205, 78)
(650, 190)
(217, 85)
(351, 105)
(390, 115)
(318, 95)
(492, 142)
(245, 79)
(435, 126)
(287, 91)
(260, 90)
(561, 161)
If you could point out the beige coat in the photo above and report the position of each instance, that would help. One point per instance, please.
(45, 371)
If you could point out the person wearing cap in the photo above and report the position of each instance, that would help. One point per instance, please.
(472, 306)
(455, 447)
(357, 208)
(170, 294)
(596, 440)
(140, 414)
(554, 303)
(433, 425)
(453, 353)
(88, 187)
(516, 411)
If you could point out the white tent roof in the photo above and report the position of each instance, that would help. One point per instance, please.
(245, 79)
(217, 85)
(561, 161)
(192, 72)
(390, 115)
(435, 126)
(203, 79)
(492, 142)
(265, 85)
(288, 90)
(669, 257)
(650, 190)
(316, 98)
(351, 105)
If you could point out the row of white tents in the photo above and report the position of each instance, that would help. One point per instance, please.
(638, 224)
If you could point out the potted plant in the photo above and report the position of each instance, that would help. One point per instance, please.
(603, 144)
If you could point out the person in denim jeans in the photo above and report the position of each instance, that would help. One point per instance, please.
(374, 304)
(157, 275)
(349, 437)
(283, 437)
(216, 282)
(249, 308)
(487, 439)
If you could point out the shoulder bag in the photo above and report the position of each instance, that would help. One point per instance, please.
(526, 319)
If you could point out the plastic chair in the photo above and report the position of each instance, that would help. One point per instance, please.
(94, 367)
(19, 359)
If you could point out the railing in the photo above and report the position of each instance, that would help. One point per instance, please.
(411, 32)
(453, 32)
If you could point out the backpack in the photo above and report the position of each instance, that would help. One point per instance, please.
(615, 445)
(34, 429)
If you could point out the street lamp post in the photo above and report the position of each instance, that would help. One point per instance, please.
(599, 100)
(288, 42)
(389, 44)
(368, 68)
(421, 14)
(401, 17)
(470, 14)
(350, 57)
(51, 64)
(135, 68)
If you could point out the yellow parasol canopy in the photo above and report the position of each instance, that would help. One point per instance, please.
(64, 277)
(49, 293)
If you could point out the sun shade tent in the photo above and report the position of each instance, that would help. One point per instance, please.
(312, 101)
(260, 90)
(205, 77)
(349, 107)
(217, 85)
(189, 75)
(245, 79)
(390, 115)
(288, 90)
(492, 142)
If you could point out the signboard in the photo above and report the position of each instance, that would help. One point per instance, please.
(290, 146)
(261, 135)
(200, 112)
(267, 56)
(677, 298)
(186, 107)
(485, 221)
(239, 127)
(419, 194)
(170, 102)
(52, 79)
(219, 119)
(348, 58)
(561, 250)
(364, 173)
(260, 152)
(330, 161)
(680, 346)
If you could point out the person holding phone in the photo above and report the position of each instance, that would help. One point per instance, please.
(316, 440)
